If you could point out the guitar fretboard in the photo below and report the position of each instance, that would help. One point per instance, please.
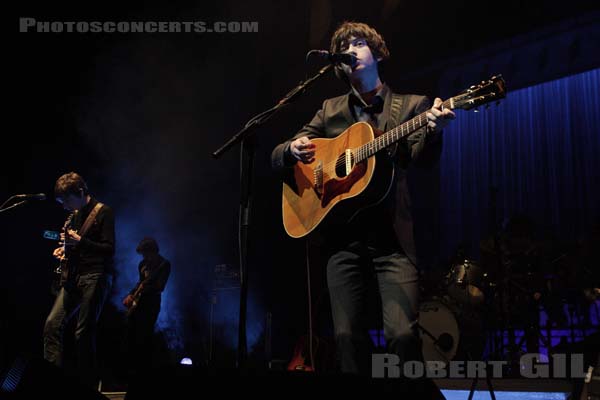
(392, 136)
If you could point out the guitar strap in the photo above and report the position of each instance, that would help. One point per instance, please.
(84, 228)
(90, 219)
(395, 107)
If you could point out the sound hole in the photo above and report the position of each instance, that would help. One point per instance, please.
(340, 165)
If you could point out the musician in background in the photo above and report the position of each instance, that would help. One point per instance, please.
(143, 303)
(588, 260)
(379, 242)
(90, 261)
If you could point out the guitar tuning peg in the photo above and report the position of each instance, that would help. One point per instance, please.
(475, 110)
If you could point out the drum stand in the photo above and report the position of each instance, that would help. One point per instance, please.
(488, 379)
(488, 374)
(444, 344)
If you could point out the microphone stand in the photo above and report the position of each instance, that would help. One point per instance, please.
(2, 208)
(245, 138)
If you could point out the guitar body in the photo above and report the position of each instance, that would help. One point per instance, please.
(132, 308)
(64, 267)
(136, 301)
(64, 271)
(301, 360)
(333, 185)
(335, 188)
(323, 355)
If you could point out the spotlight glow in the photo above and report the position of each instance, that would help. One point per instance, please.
(186, 361)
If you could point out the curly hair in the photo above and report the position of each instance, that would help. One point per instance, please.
(348, 29)
(70, 183)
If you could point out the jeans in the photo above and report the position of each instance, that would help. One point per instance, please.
(349, 271)
(84, 297)
(140, 332)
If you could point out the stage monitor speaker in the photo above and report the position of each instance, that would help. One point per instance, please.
(36, 378)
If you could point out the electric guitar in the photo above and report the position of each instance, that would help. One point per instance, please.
(63, 270)
(343, 176)
(136, 299)
(137, 294)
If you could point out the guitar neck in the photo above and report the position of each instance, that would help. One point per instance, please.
(66, 228)
(392, 136)
(138, 290)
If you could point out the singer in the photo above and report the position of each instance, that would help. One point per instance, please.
(89, 245)
(379, 243)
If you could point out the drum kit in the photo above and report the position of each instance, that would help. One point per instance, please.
(451, 324)
(480, 304)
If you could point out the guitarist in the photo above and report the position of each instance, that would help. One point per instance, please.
(90, 244)
(143, 302)
(377, 244)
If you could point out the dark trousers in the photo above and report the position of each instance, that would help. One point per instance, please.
(84, 297)
(349, 272)
(140, 332)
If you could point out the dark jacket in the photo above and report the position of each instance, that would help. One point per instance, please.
(94, 253)
(154, 275)
(421, 148)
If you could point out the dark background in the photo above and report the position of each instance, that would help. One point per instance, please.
(138, 115)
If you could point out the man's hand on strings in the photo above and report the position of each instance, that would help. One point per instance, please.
(58, 253)
(71, 239)
(438, 117)
(303, 150)
(128, 301)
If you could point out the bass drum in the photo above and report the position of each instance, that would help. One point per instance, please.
(439, 331)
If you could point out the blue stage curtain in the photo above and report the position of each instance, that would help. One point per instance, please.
(540, 148)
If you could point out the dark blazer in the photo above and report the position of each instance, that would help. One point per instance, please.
(422, 148)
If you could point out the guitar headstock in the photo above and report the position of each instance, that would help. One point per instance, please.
(485, 92)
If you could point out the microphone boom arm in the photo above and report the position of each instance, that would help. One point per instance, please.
(246, 172)
(24, 199)
(13, 206)
(288, 98)
(266, 115)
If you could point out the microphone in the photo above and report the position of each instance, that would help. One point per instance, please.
(344, 58)
(37, 196)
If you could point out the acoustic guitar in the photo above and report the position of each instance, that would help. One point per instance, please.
(349, 173)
